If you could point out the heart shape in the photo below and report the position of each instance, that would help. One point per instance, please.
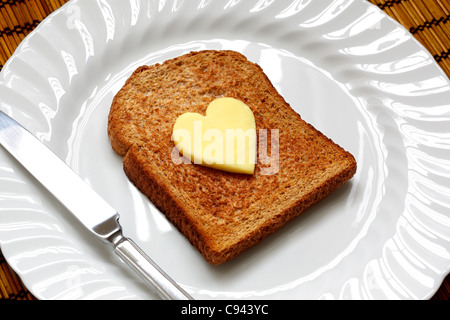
(224, 139)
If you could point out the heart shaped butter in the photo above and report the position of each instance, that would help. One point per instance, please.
(224, 139)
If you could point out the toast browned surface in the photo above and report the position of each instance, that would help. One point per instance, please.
(221, 213)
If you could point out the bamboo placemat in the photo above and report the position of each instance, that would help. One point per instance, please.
(427, 20)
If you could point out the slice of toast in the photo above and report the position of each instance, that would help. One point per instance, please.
(221, 213)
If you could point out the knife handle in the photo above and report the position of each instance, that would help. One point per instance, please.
(165, 287)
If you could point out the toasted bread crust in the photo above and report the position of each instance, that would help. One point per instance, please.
(221, 213)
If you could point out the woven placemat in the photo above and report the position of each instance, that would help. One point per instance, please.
(427, 20)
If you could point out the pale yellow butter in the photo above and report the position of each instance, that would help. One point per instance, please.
(224, 139)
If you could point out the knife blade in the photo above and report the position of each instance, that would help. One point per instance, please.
(85, 204)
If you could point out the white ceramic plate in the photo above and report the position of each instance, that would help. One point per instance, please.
(343, 65)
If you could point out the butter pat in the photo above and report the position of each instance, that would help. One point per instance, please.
(224, 139)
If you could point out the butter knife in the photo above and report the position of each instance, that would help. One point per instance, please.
(86, 205)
